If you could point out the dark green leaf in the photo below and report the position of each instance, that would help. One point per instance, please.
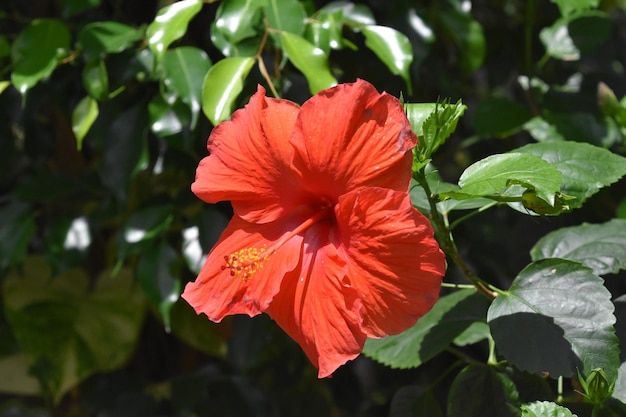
(96, 79)
(99, 38)
(158, 274)
(167, 119)
(170, 24)
(392, 48)
(146, 224)
(285, 16)
(569, 6)
(18, 380)
(183, 75)
(310, 60)
(85, 113)
(196, 331)
(237, 20)
(585, 168)
(560, 304)
(482, 391)
(468, 35)
(222, 86)
(498, 115)
(37, 51)
(545, 409)
(601, 247)
(450, 316)
(71, 7)
(494, 175)
(95, 329)
(16, 228)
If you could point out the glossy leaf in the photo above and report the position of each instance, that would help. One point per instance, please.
(167, 119)
(393, 48)
(359, 14)
(158, 273)
(99, 38)
(248, 47)
(183, 75)
(95, 327)
(574, 34)
(585, 168)
(561, 304)
(325, 31)
(85, 113)
(237, 20)
(492, 177)
(310, 60)
(285, 16)
(601, 247)
(170, 24)
(545, 409)
(96, 79)
(37, 51)
(450, 316)
(498, 115)
(466, 397)
(222, 85)
(146, 224)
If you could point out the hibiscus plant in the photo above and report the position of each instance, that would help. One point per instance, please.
(313, 208)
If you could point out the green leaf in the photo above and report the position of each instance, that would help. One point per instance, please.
(561, 304)
(83, 116)
(450, 316)
(248, 47)
(576, 34)
(310, 60)
(158, 273)
(145, 224)
(18, 379)
(96, 79)
(418, 113)
(392, 48)
(71, 7)
(358, 14)
(601, 247)
(99, 38)
(285, 16)
(170, 24)
(468, 35)
(545, 409)
(494, 175)
(325, 31)
(483, 391)
(70, 326)
(569, 6)
(237, 20)
(183, 75)
(37, 51)
(222, 86)
(585, 168)
(196, 331)
(167, 119)
(17, 226)
(499, 116)
(435, 129)
(542, 131)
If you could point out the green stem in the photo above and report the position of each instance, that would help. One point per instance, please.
(444, 235)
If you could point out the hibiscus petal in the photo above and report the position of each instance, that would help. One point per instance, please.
(395, 264)
(351, 136)
(249, 160)
(222, 290)
(316, 309)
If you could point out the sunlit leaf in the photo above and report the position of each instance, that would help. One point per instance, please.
(561, 304)
(37, 51)
(585, 168)
(95, 326)
(393, 48)
(325, 31)
(450, 316)
(435, 129)
(167, 119)
(569, 6)
(359, 14)
(85, 113)
(237, 20)
(545, 409)
(466, 396)
(310, 60)
(576, 33)
(492, 176)
(601, 247)
(183, 75)
(222, 86)
(285, 16)
(170, 24)
(99, 38)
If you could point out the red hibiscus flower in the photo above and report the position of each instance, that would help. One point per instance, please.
(324, 237)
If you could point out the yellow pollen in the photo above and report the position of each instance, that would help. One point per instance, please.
(246, 262)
